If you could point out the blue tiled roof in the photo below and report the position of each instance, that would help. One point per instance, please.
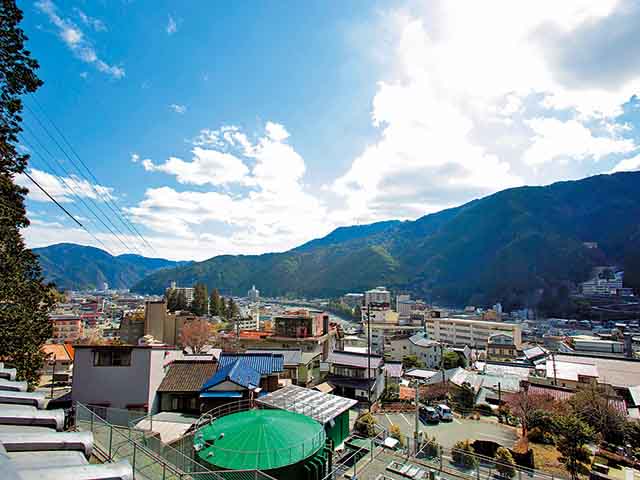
(237, 372)
(265, 363)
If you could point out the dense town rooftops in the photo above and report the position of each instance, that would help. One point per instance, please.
(571, 371)
(616, 372)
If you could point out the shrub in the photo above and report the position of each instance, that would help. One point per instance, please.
(537, 435)
(431, 448)
(366, 425)
(505, 465)
(462, 454)
(395, 432)
(484, 409)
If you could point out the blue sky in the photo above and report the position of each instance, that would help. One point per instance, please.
(248, 127)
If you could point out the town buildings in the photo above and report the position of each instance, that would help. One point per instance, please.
(500, 346)
(120, 376)
(350, 375)
(379, 296)
(253, 295)
(474, 333)
(187, 291)
(66, 328)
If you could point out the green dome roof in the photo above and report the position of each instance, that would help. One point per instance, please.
(259, 439)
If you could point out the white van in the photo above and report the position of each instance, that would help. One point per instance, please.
(445, 413)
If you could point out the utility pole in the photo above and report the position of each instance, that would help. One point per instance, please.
(555, 371)
(416, 435)
(369, 353)
(53, 374)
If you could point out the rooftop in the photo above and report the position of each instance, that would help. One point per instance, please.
(259, 439)
(292, 356)
(353, 359)
(33, 444)
(616, 372)
(322, 407)
(569, 370)
(264, 363)
(187, 375)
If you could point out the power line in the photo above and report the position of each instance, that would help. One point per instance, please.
(66, 185)
(127, 247)
(109, 201)
(64, 209)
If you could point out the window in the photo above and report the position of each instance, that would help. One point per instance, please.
(112, 358)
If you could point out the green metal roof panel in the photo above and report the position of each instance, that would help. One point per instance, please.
(259, 439)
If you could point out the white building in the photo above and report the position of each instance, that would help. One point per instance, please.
(125, 377)
(379, 296)
(474, 333)
(188, 292)
(404, 305)
(601, 285)
(254, 294)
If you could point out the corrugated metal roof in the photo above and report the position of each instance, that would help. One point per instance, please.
(237, 372)
(394, 370)
(352, 359)
(292, 356)
(322, 407)
(264, 363)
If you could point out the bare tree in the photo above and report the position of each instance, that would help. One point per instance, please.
(524, 406)
(196, 334)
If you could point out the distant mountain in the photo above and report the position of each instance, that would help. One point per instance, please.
(76, 267)
(509, 246)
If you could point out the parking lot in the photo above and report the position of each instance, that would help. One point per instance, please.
(448, 433)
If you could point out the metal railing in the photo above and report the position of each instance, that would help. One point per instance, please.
(149, 457)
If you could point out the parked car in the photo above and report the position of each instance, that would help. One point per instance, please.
(444, 413)
(429, 415)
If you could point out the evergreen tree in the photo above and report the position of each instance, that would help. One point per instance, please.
(200, 299)
(214, 302)
(232, 309)
(24, 299)
(222, 309)
(181, 301)
(172, 299)
(573, 437)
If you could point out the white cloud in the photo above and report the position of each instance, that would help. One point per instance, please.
(207, 167)
(95, 23)
(61, 188)
(627, 165)
(172, 26)
(76, 40)
(565, 140)
(135, 158)
(270, 211)
(177, 108)
(471, 104)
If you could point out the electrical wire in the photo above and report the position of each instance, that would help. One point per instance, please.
(72, 179)
(65, 184)
(110, 202)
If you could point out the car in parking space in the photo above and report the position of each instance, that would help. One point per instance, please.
(429, 415)
(444, 413)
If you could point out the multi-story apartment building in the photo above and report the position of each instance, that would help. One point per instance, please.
(188, 292)
(474, 333)
(379, 296)
(66, 327)
(254, 294)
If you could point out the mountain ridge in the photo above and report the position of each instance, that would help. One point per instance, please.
(76, 267)
(500, 247)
